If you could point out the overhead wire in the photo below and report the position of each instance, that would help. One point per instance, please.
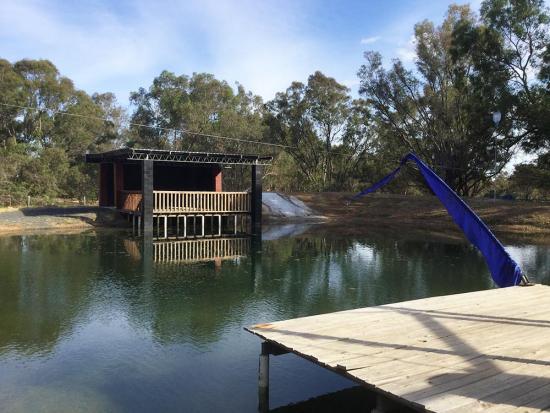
(142, 125)
(189, 132)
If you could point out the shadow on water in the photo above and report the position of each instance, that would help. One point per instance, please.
(99, 325)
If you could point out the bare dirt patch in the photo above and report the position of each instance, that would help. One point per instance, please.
(510, 220)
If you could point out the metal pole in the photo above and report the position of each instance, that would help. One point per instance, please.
(495, 181)
(263, 381)
(497, 116)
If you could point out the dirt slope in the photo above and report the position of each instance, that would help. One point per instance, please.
(508, 219)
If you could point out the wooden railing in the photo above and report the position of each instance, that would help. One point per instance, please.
(129, 201)
(201, 250)
(167, 202)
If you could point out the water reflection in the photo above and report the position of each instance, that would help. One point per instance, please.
(86, 320)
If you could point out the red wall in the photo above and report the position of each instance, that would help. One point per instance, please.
(217, 173)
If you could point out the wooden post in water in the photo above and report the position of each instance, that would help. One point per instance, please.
(263, 380)
(385, 405)
(148, 196)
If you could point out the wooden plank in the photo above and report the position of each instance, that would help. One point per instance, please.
(481, 351)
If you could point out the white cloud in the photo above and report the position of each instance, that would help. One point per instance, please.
(370, 40)
(120, 46)
(96, 50)
(258, 44)
(407, 52)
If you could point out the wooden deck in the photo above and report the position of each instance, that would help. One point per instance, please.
(486, 351)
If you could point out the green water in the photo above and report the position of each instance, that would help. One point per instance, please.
(87, 326)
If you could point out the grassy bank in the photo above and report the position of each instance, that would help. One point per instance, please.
(510, 220)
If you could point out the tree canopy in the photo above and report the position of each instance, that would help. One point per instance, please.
(323, 135)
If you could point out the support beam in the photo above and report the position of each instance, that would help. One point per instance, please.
(263, 381)
(185, 226)
(256, 200)
(148, 197)
(263, 373)
(385, 405)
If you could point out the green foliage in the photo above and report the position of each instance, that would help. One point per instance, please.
(465, 69)
(199, 103)
(441, 111)
(326, 132)
(42, 150)
(532, 180)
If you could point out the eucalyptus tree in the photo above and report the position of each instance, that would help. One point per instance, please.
(46, 127)
(522, 30)
(442, 109)
(324, 130)
(177, 111)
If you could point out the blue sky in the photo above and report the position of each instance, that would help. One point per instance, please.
(119, 46)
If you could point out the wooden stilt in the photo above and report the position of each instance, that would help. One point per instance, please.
(384, 405)
(263, 381)
(166, 226)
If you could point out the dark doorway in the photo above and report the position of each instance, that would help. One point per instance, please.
(107, 185)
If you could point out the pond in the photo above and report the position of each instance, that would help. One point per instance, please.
(87, 325)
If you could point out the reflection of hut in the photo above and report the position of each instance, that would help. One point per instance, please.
(132, 248)
(193, 250)
(208, 249)
(151, 184)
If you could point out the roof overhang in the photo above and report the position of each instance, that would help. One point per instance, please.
(131, 154)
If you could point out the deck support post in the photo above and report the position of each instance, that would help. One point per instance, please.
(384, 405)
(202, 225)
(256, 200)
(148, 196)
(263, 380)
(268, 349)
(166, 226)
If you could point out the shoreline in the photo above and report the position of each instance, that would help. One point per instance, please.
(516, 221)
(511, 221)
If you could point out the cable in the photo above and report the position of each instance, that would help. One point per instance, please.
(141, 125)
(206, 135)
